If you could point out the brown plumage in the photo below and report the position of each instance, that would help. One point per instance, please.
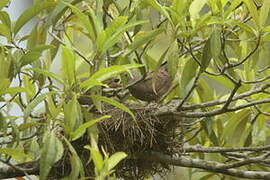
(143, 89)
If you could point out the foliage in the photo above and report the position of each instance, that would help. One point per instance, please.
(216, 51)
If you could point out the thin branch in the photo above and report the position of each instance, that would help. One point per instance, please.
(75, 49)
(202, 164)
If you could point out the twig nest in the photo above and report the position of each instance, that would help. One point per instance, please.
(134, 136)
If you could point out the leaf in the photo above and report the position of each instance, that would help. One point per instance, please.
(115, 159)
(30, 13)
(5, 19)
(97, 159)
(107, 73)
(5, 31)
(49, 154)
(143, 38)
(3, 3)
(187, 77)
(159, 8)
(34, 103)
(215, 43)
(111, 35)
(29, 57)
(48, 74)
(84, 19)
(29, 125)
(207, 55)
(234, 4)
(68, 65)
(15, 153)
(115, 103)
(12, 90)
(253, 11)
(80, 130)
(264, 12)
(73, 115)
(58, 11)
(76, 164)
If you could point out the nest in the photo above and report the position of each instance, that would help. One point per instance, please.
(146, 133)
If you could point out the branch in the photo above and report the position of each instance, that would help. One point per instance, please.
(203, 164)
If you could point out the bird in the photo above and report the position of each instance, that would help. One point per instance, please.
(145, 90)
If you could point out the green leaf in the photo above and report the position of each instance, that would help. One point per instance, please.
(29, 125)
(253, 11)
(15, 153)
(234, 4)
(187, 77)
(80, 131)
(30, 13)
(264, 12)
(48, 74)
(68, 65)
(107, 73)
(49, 155)
(58, 11)
(159, 8)
(115, 159)
(115, 103)
(29, 57)
(143, 38)
(5, 19)
(97, 159)
(5, 31)
(84, 19)
(34, 103)
(110, 36)
(3, 3)
(73, 115)
(12, 90)
(76, 163)
(207, 55)
(215, 43)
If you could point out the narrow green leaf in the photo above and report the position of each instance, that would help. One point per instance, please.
(15, 153)
(97, 159)
(3, 3)
(264, 12)
(80, 131)
(207, 55)
(187, 77)
(115, 159)
(12, 90)
(253, 11)
(48, 74)
(107, 73)
(84, 19)
(58, 11)
(5, 31)
(49, 155)
(30, 13)
(29, 125)
(5, 19)
(215, 43)
(158, 7)
(143, 38)
(29, 57)
(114, 103)
(68, 65)
(72, 115)
(234, 4)
(76, 164)
(34, 103)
